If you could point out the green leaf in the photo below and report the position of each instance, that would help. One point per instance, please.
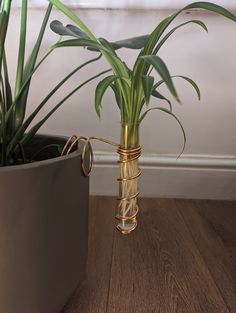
(88, 43)
(120, 70)
(210, 7)
(107, 50)
(68, 30)
(198, 22)
(140, 68)
(36, 127)
(25, 85)
(100, 90)
(159, 30)
(22, 42)
(163, 71)
(7, 85)
(71, 30)
(69, 13)
(173, 115)
(117, 95)
(189, 80)
(20, 107)
(131, 43)
(8, 97)
(31, 117)
(4, 19)
(147, 83)
(157, 95)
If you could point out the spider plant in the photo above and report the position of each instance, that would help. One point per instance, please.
(16, 128)
(133, 88)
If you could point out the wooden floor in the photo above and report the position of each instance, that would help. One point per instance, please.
(181, 259)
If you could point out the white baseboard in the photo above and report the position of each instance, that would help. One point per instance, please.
(191, 176)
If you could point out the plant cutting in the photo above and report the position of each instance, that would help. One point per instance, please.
(133, 89)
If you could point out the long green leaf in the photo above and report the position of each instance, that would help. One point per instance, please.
(4, 19)
(73, 31)
(192, 83)
(20, 108)
(35, 128)
(100, 90)
(116, 64)
(29, 120)
(69, 30)
(117, 95)
(25, 84)
(21, 51)
(173, 115)
(210, 7)
(160, 44)
(105, 48)
(157, 95)
(140, 68)
(69, 13)
(159, 30)
(187, 79)
(8, 96)
(163, 71)
(8, 91)
(135, 43)
(119, 69)
(147, 83)
(81, 42)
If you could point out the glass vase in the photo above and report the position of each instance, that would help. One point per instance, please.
(129, 152)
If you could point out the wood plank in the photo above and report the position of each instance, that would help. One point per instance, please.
(92, 296)
(222, 216)
(159, 268)
(212, 225)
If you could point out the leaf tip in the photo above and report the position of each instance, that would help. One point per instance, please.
(178, 100)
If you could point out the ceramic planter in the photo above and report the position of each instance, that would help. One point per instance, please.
(43, 232)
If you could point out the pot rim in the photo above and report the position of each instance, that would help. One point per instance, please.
(43, 163)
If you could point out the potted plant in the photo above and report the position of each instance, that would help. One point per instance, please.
(44, 196)
(132, 89)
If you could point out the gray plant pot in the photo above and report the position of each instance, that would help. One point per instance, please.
(43, 233)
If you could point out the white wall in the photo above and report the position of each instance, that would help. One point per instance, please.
(125, 4)
(208, 58)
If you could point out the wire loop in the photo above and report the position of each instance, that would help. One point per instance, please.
(73, 140)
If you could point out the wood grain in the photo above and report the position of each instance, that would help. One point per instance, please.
(179, 260)
(212, 225)
(91, 297)
(159, 268)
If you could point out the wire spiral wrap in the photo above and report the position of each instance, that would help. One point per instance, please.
(126, 156)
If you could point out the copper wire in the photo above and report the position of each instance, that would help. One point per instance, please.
(73, 140)
(126, 156)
